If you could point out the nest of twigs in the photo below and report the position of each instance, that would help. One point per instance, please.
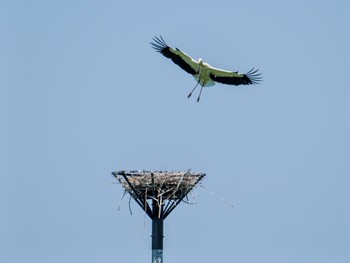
(158, 192)
(151, 184)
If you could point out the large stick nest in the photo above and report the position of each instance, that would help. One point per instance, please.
(153, 184)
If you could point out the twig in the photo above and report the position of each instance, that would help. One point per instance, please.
(217, 196)
(130, 205)
(120, 202)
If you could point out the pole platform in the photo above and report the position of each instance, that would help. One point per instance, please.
(168, 189)
(158, 193)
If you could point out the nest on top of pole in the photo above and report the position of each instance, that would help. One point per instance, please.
(166, 188)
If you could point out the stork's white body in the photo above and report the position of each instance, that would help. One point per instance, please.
(203, 76)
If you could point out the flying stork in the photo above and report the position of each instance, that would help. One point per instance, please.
(204, 74)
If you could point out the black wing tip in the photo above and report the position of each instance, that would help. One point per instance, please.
(253, 77)
(159, 44)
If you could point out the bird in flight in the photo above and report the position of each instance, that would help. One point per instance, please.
(204, 74)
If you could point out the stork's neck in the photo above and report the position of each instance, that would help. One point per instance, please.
(200, 65)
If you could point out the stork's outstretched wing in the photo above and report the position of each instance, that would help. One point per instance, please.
(180, 58)
(235, 78)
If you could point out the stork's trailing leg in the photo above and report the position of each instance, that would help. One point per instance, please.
(189, 95)
(199, 96)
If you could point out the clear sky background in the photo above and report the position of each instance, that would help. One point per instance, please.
(83, 94)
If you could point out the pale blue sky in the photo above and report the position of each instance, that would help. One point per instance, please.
(83, 94)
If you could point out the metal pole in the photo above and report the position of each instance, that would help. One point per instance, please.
(157, 234)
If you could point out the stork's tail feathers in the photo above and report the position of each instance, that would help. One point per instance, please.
(253, 77)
